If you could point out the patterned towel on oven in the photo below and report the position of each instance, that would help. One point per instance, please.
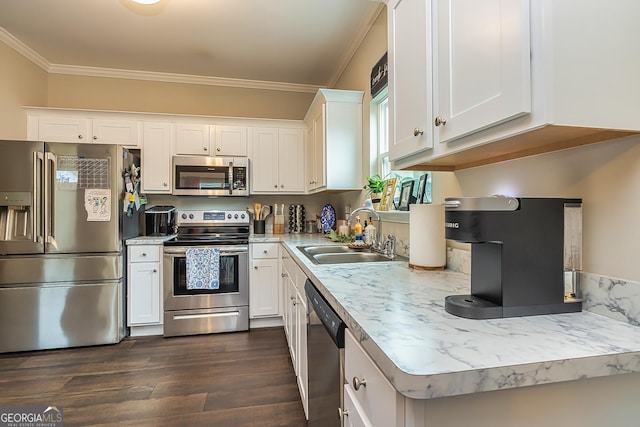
(203, 268)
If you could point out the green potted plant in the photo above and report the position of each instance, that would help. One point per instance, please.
(375, 187)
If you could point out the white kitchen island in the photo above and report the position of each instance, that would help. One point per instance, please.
(566, 369)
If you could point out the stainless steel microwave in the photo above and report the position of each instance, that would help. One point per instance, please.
(210, 176)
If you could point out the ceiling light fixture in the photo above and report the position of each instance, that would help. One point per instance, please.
(145, 1)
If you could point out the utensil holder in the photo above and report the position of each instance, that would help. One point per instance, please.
(258, 226)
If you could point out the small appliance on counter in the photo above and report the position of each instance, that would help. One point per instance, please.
(160, 221)
(517, 254)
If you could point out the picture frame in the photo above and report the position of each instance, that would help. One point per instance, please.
(388, 194)
(406, 193)
(422, 185)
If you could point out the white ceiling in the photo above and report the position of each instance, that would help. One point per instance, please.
(292, 44)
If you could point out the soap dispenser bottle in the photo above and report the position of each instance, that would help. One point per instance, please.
(358, 229)
(370, 233)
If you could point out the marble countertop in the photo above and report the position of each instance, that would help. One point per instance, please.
(399, 318)
(148, 240)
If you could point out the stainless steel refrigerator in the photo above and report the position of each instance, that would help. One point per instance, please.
(61, 261)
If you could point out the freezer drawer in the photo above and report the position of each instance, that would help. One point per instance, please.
(47, 269)
(37, 317)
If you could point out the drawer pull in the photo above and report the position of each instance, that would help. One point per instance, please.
(144, 254)
(265, 252)
(357, 383)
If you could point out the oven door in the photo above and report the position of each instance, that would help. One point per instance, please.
(233, 277)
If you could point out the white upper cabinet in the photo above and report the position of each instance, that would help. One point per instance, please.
(484, 72)
(230, 141)
(508, 78)
(410, 77)
(334, 122)
(54, 127)
(193, 139)
(277, 160)
(156, 157)
(209, 140)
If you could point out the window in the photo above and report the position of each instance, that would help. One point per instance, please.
(380, 147)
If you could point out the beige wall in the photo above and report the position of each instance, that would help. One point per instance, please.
(99, 93)
(21, 83)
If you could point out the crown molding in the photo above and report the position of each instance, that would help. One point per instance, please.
(23, 49)
(366, 23)
(179, 78)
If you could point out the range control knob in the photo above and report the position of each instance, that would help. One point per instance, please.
(235, 216)
(229, 216)
(184, 216)
(242, 216)
(190, 216)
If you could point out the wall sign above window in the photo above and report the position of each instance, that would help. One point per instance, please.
(379, 76)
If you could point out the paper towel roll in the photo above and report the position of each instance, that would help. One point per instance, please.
(428, 247)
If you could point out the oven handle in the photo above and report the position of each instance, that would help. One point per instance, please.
(181, 250)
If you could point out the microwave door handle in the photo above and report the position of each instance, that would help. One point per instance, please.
(230, 177)
(37, 217)
(49, 199)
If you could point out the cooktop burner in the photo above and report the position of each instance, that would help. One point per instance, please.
(199, 227)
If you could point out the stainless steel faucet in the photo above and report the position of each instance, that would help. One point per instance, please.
(390, 246)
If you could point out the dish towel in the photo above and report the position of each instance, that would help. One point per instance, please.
(203, 268)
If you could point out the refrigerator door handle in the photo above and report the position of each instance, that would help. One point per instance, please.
(49, 199)
(38, 162)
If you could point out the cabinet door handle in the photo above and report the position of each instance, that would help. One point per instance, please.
(155, 271)
(343, 412)
(265, 252)
(79, 136)
(218, 149)
(255, 267)
(275, 186)
(417, 132)
(284, 275)
(357, 383)
(440, 121)
(144, 254)
(204, 148)
(95, 138)
(281, 185)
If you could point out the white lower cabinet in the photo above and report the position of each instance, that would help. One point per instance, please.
(378, 403)
(295, 324)
(264, 280)
(144, 290)
(352, 414)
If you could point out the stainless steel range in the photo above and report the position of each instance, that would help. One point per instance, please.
(204, 311)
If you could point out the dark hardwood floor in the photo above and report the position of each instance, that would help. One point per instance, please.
(238, 379)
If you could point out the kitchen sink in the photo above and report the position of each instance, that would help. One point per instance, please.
(341, 254)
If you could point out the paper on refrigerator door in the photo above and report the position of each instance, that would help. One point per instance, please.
(97, 203)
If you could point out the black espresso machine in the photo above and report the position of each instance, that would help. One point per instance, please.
(519, 255)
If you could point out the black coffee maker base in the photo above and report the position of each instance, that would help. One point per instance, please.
(472, 307)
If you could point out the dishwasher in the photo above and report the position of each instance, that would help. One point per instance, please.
(325, 355)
